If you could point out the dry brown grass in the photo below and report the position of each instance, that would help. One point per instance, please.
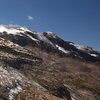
(29, 94)
(79, 75)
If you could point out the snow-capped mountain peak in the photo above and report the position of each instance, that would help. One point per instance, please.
(13, 29)
(47, 41)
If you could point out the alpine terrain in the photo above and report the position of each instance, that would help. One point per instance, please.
(42, 66)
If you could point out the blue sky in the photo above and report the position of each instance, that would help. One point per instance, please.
(73, 20)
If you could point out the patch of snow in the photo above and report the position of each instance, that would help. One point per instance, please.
(7, 77)
(93, 55)
(72, 98)
(15, 30)
(41, 36)
(86, 49)
(79, 47)
(51, 34)
(4, 42)
(71, 43)
(32, 38)
(10, 31)
(10, 77)
(62, 49)
(14, 91)
(25, 29)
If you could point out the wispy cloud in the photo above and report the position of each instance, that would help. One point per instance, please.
(30, 18)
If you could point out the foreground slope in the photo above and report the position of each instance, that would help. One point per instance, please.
(41, 66)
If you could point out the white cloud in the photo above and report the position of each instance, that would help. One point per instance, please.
(30, 18)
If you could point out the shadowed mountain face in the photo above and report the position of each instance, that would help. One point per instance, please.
(42, 66)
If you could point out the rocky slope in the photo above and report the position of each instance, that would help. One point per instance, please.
(41, 66)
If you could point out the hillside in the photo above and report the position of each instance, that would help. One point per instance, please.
(42, 66)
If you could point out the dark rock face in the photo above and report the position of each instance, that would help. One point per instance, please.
(63, 92)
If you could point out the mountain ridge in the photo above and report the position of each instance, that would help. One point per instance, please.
(42, 66)
(48, 41)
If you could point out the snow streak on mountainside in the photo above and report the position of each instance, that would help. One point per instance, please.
(13, 29)
(47, 41)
